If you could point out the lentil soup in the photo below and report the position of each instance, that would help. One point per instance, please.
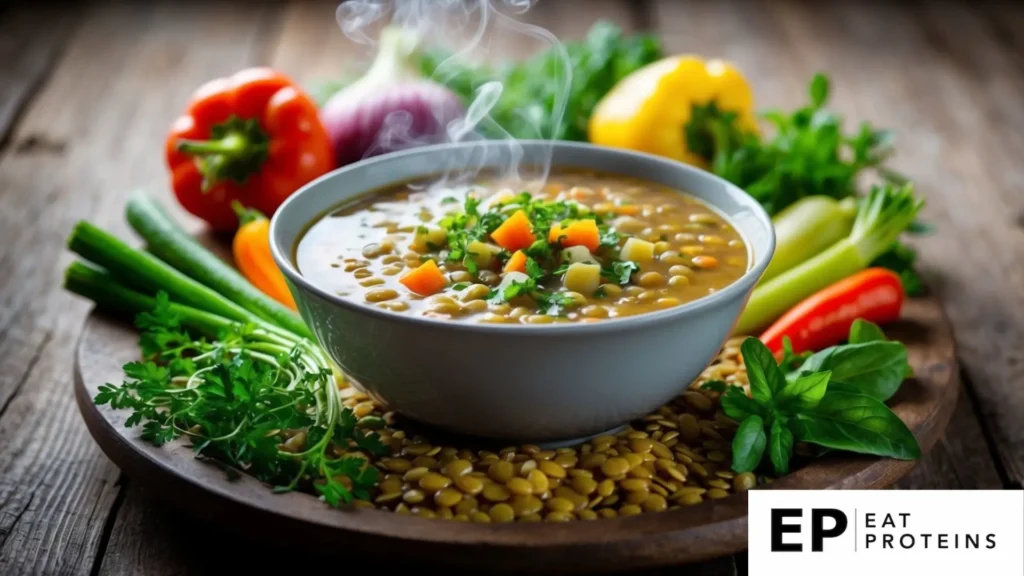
(588, 247)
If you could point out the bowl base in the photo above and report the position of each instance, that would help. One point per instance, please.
(552, 444)
(439, 435)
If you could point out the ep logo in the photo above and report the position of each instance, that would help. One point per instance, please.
(821, 523)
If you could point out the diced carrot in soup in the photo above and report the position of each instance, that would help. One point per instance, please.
(517, 263)
(425, 280)
(514, 233)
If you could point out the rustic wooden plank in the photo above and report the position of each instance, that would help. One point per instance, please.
(959, 461)
(128, 69)
(185, 547)
(919, 74)
(31, 40)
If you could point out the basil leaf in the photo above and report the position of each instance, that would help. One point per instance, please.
(873, 368)
(780, 446)
(863, 331)
(803, 392)
(791, 361)
(766, 379)
(738, 406)
(857, 423)
(748, 444)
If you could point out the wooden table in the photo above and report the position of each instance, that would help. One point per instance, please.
(87, 92)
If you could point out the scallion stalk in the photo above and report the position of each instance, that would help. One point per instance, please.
(883, 215)
(103, 289)
(172, 244)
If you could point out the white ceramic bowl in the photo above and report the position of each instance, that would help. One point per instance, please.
(538, 383)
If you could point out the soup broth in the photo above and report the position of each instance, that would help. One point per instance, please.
(588, 247)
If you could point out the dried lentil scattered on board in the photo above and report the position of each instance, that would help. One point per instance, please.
(679, 455)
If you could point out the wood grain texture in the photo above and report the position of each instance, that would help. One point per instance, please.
(127, 69)
(31, 42)
(709, 530)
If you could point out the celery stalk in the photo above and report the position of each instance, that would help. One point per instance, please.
(882, 216)
(806, 228)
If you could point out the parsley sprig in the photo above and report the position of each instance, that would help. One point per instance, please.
(471, 224)
(239, 397)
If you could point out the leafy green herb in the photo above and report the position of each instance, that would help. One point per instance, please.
(791, 361)
(608, 237)
(862, 331)
(533, 90)
(780, 446)
(460, 286)
(620, 271)
(766, 379)
(748, 444)
(803, 392)
(534, 270)
(834, 400)
(874, 368)
(857, 423)
(739, 406)
(809, 153)
(233, 397)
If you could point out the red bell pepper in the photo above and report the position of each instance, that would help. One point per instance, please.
(254, 137)
(824, 318)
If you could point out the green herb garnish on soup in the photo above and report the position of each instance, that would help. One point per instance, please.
(587, 247)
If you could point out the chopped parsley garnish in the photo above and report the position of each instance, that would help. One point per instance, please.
(620, 271)
(476, 223)
(609, 237)
(534, 270)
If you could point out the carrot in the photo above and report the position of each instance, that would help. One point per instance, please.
(424, 280)
(514, 233)
(517, 263)
(578, 233)
(705, 262)
(250, 248)
(824, 318)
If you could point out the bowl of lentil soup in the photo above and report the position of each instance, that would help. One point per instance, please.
(501, 310)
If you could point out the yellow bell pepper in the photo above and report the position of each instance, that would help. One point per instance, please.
(649, 109)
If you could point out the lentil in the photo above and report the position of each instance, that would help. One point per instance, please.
(520, 486)
(675, 457)
(502, 513)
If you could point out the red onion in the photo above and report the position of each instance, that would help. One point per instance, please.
(391, 107)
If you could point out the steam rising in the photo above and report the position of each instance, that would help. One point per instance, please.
(468, 30)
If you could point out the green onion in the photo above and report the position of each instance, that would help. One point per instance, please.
(169, 242)
(883, 215)
(103, 289)
(147, 273)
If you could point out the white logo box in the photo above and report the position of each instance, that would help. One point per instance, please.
(904, 532)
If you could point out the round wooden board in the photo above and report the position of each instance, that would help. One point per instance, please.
(708, 530)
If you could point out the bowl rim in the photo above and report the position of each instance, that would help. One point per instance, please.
(735, 289)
